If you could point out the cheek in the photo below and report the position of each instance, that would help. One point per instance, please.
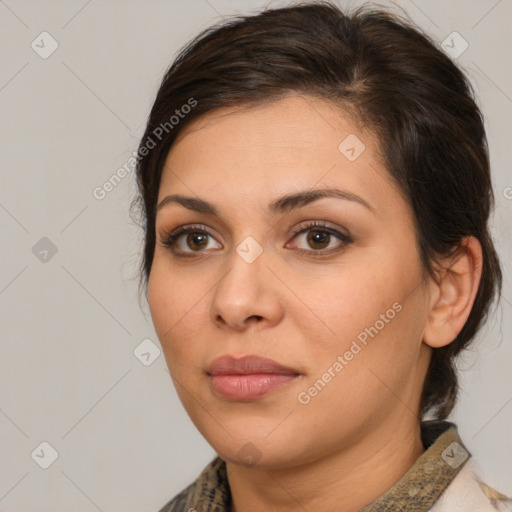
(374, 302)
(367, 365)
(346, 301)
(178, 310)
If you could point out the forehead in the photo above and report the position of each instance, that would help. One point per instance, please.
(294, 143)
(295, 121)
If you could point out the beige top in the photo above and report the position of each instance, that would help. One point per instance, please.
(442, 479)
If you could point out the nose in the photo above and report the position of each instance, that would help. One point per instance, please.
(246, 295)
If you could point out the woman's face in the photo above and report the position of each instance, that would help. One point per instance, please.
(328, 287)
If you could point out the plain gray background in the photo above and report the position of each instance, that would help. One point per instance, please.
(70, 319)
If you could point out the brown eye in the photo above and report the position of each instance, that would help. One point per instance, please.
(190, 240)
(318, 239)
(197, 241)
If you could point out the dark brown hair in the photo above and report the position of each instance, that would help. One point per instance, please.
(391, 78)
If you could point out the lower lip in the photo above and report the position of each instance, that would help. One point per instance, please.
(249, 387)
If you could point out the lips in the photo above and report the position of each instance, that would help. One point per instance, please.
(248, 378)
(228, 365)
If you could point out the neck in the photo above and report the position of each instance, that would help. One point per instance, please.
(347, 479)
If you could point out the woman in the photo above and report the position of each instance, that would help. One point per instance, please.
(316, 193)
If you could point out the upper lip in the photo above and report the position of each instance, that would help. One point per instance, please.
(247, 365)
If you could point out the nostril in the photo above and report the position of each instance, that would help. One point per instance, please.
(253, 318)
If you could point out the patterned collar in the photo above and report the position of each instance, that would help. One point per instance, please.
(417, 490)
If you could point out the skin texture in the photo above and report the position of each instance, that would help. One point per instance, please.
(361, 432)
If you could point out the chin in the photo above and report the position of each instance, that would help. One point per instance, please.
(248, 449)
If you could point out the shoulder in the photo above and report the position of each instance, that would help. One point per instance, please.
(209, 492)
(468, 492)
(179, 502)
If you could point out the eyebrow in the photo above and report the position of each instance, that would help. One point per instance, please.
(282, 205)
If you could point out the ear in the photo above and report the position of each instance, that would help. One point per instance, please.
(453, 295)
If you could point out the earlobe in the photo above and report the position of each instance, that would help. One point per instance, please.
(455, 292)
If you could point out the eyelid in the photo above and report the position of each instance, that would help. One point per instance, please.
(321, 225)
(170, 238)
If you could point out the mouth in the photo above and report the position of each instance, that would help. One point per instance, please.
(248, 378)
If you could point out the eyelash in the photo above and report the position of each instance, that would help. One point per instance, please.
(170, 239)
